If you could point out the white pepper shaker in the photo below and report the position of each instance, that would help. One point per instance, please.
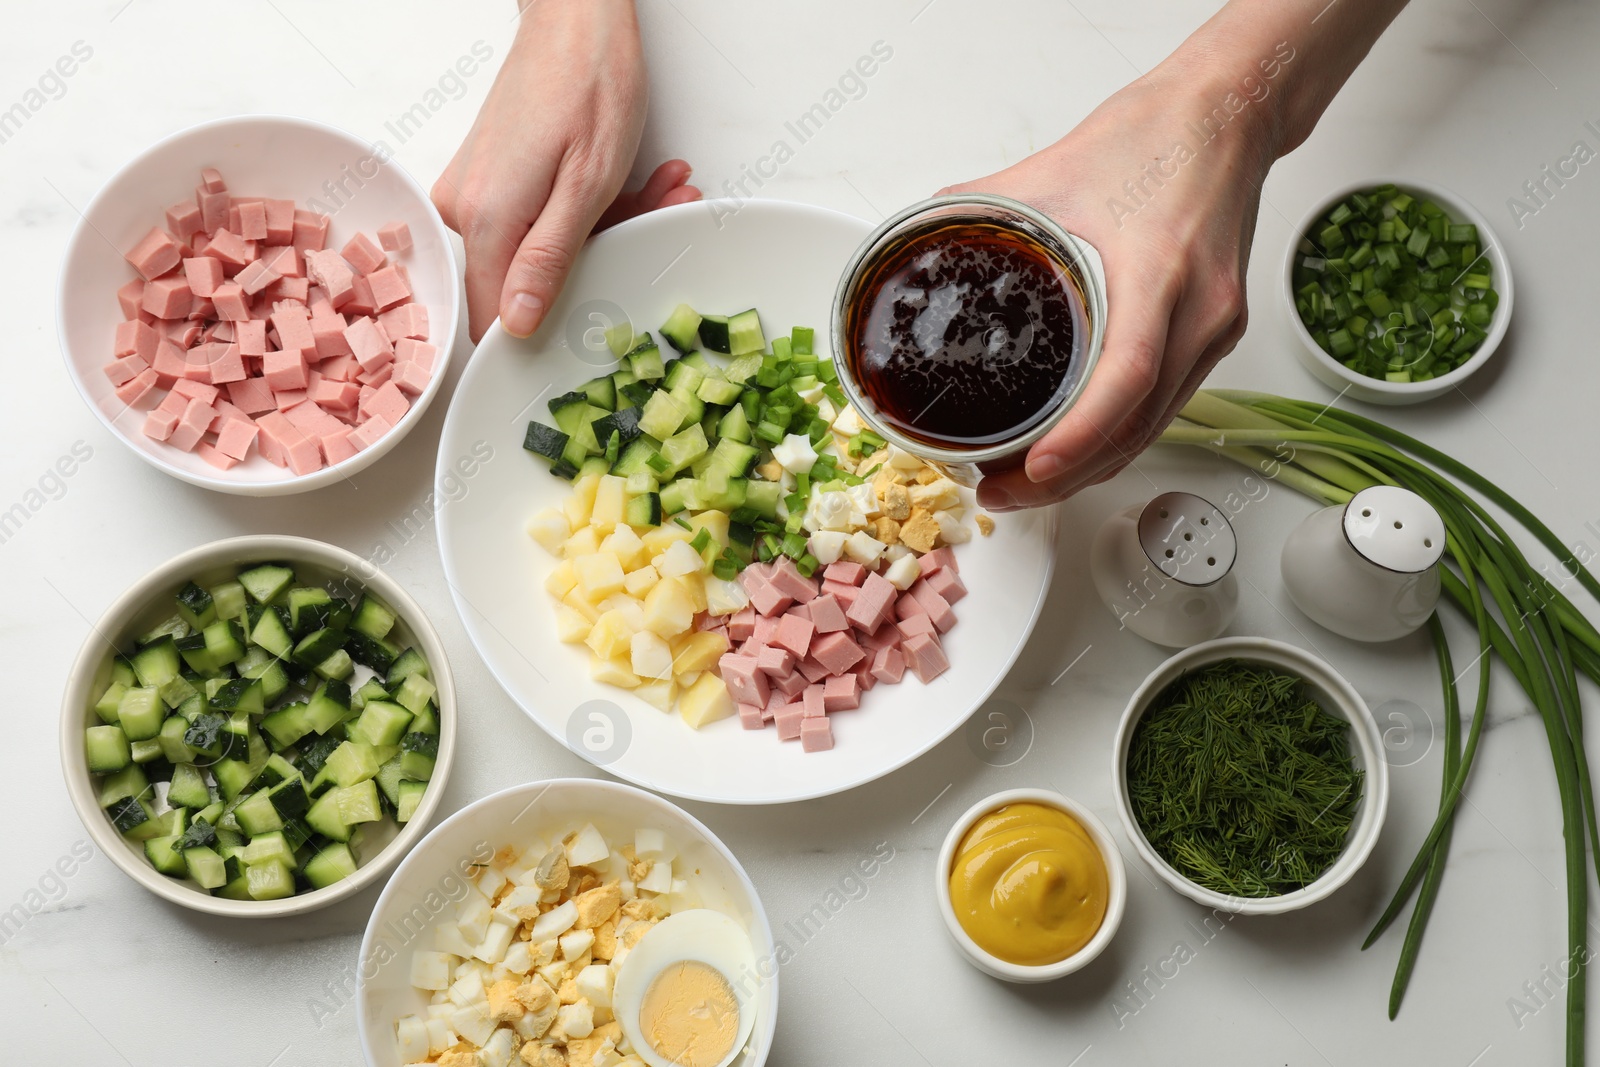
(1368, 570)
(1165, 569)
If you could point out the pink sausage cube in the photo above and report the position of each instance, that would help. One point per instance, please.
(296, 289)
(198, 414)
(845, 571)
(211, 180)
(255, 277)
(229, 247)
(252, 396)
(741, 624)
(419, 352)
(947, 583)
(766, 630)
(363, 255)
(167, 297)
(837, 652)
(774, 661)
(766, 598)
(136, 338)
(888, 665)
(394, 237)
(367, 342)
(171, 363)
(407, 320)
(846, 595)
(337, 447)
(389, 289)
(280, 222)
(184, 219)
(310, 230)
(185, 438)
(790, 685)
(411, 378)
(138, 389)
(786, 579)
(914, 625)
(751, 717)
(925, 656)
(842, 693)
(813, 671)
(377, 376)
(293, 324)
(129, 298)
(213, 208)
(253, 220)
(744, 678)
(236, 437)
(390, 404)
(155, 254)
(339, 368)
(196, 390)
(827, 614)
(231, 302)
(215, 456)
(284, 370)
(251, 335)
(883, 637)
(158, 425)
(794, 634)
(811, 699)
(334, 394)
(305, 456)
(788, 719)
(311, 419)
(938, 560)
(284, 260)
(204, 274)
(288, 398)
(876, 599)
(122, 371)
(936, 606)
(816, 735)
(329, 270)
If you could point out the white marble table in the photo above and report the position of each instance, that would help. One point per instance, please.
(1477, 95)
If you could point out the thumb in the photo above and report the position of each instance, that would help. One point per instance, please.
(541, 264)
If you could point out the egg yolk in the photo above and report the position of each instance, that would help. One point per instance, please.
(1029, 885)
(689, 1014)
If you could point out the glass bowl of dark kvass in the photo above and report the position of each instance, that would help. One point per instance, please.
(966, 326)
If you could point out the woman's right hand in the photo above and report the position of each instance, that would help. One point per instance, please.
(545, 161)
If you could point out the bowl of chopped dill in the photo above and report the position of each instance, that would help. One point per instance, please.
(1250, 776)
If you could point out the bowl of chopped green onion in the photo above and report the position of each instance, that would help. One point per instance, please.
(1250, 776)
(1398, 291)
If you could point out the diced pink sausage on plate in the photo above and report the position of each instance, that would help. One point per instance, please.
(841, 693)
(837, 652)
(155, 254)
(816, 734)
(925, 657)
(888, 665)
(394, 237)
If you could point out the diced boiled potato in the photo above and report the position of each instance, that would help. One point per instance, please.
(705, 701)
(599, 575)
(687, 679)
(583, 542)
(713, 522)
(679, 559)
(626, 546)
(561, 580)
(550, 529)
(657, 540)
(613, 672)
(571, 627)
(724, 598)
(574, 600)
(611, 637)
(579, 504)
(659, 694)
(608, 499)
(632, 609)
(669, 608)
(696, 586)
(697, 651)
(651, 656)
(641, 581)
(903, 571)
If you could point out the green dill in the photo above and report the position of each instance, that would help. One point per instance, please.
(1242, 782)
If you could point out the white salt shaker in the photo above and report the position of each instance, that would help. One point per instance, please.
(1368, 570)
(1165, 569)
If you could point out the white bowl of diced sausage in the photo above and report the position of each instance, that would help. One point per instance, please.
(259, 305)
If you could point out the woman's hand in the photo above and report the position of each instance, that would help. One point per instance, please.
(544, 163)
(1173, 229)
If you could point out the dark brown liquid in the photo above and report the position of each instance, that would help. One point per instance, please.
(962, 333)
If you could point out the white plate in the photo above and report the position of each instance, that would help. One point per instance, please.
(785, 260)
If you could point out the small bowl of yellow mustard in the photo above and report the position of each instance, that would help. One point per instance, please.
(1031, 885)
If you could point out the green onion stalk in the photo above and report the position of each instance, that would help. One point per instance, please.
(1520, 616)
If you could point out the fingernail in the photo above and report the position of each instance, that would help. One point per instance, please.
(1045, 468)
(522, 317)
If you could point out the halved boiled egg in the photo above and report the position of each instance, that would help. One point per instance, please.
(686, 993)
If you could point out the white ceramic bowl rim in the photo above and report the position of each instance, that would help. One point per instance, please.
(1116, 890)
(1364, 831)
(1492, 248)
(766, 1023)
(442, 332)
(77, 701)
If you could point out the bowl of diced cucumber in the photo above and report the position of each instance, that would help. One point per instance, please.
(1397, 290)
(261, 726)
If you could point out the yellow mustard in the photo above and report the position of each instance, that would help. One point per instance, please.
(1029, 884)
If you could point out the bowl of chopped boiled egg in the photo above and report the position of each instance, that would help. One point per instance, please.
(571, 921)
